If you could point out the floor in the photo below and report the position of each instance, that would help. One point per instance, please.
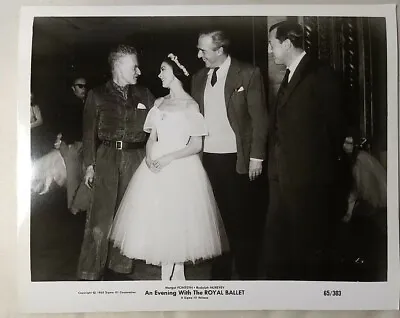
(56, 237)
(56, 240)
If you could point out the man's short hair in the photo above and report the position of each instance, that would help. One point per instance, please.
(77, 77)
(120, 51)
(219, 38)
(289, 30)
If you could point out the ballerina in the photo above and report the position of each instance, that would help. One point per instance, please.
(168, 215)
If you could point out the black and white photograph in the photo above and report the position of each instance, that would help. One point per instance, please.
(244, 159)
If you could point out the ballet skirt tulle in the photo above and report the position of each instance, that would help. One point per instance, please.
(46, 170)
(370, 180)
(63, 167)
(170, 216)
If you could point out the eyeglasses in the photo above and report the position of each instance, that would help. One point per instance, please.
(81, 85)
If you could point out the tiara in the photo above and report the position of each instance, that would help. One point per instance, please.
(174, 58)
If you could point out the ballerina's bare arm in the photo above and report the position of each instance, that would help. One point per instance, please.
(150, 142)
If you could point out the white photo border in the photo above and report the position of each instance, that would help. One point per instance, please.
(64, 297)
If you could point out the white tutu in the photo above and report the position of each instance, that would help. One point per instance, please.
(370, 180)
(170, 216)
(46, 170)
(370, 185)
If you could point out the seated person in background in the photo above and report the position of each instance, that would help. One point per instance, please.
(361, 244)
(369, 185)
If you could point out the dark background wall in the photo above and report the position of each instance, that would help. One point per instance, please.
(355, 47)
(81, 46)
(379, 82)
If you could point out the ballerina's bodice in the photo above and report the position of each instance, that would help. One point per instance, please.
(174, 128)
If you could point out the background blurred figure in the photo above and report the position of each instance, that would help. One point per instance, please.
(64, 163)
(70, 115)
(36, 115)
(46, 168)
(69, 142)
(36, 120)
(369, 181)
(361, 247)
(79, 88)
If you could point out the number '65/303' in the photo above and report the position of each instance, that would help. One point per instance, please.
(332, 293)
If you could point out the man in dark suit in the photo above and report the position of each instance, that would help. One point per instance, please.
(113, 148)
(307, 131)
(231, 97)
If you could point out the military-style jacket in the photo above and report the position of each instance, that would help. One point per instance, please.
(109, 115)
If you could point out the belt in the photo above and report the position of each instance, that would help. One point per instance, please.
(119, 145)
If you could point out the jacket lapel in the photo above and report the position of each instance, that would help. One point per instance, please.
(232, 81)
(201, 87)
(299, 74)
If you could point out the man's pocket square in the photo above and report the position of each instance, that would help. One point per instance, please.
(141, 106)
(240, 89)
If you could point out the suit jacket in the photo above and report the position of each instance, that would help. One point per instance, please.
(308, 127)
(70, 119)
(247, 111)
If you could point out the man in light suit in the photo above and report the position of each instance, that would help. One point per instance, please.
(305, 164)
(231, 97)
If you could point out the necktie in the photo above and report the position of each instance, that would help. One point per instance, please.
(285, 80)
(281, 90)
(284, 84)
(214, 76)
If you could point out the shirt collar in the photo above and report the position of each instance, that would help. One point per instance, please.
(223, 68)
(118, 87)
(123, 90)
(296, 63)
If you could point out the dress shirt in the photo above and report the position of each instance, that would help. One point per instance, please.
(294, 65)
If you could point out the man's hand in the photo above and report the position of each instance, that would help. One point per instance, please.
(89, 176)
(255, 169)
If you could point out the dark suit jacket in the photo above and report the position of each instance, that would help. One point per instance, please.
(70, 119)
(247, 111)
(306, 149)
